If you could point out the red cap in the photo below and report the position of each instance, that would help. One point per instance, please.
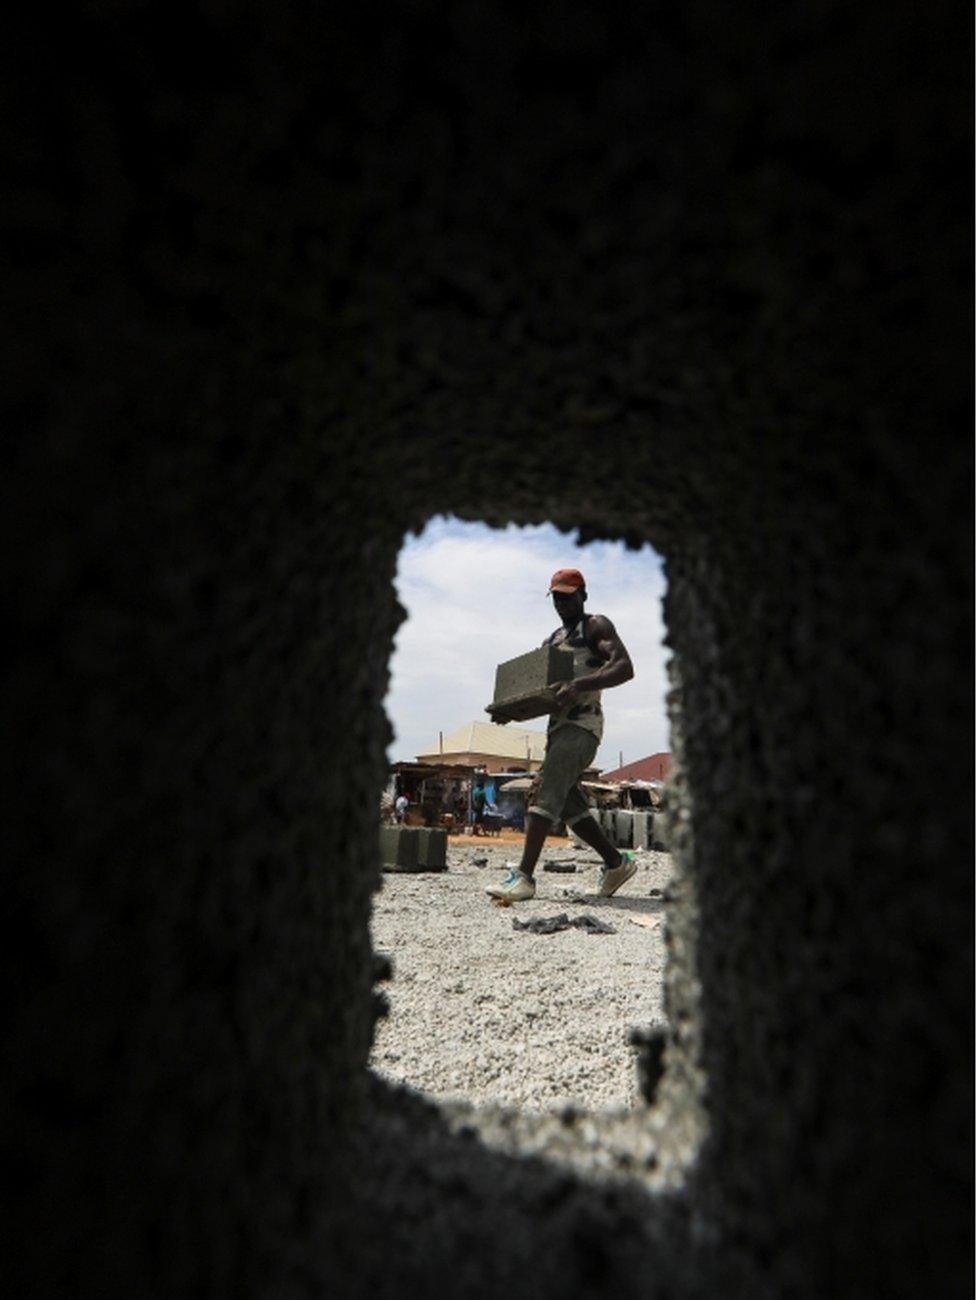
(566, 580)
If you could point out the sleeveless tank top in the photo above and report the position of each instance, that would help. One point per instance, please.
(587, 712)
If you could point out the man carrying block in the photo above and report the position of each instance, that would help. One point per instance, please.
(600, 660)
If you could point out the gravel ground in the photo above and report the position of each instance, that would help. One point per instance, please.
(485, 1014)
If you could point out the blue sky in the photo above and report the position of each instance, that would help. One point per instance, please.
(476, 596)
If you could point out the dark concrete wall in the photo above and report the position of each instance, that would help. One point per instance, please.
(695, 277)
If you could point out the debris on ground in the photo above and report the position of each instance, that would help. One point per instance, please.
(649, 922)
(558, 864)
(551, 924)
(593, 924)
(576, 896)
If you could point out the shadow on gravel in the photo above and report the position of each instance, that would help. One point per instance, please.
(441, 1213)
(636, 906)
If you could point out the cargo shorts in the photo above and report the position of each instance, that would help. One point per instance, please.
(570, 750)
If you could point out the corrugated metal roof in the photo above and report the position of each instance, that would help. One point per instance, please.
(489, 738)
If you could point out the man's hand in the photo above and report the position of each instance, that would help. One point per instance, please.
(566, 693)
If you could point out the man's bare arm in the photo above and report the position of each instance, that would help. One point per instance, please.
(616, 669)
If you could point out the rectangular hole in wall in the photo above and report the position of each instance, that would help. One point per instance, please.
(485, 1015)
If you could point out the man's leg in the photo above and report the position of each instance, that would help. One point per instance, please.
(618, 866)
(588, 829)
(536, 830)
(555, 777)
(569, 752)
(519, 884)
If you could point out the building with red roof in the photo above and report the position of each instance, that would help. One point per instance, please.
(653, 768)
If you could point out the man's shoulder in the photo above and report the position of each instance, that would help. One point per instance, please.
(596, 623)
(599, 623)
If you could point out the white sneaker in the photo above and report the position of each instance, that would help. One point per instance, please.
(514, 888)
(611, 878)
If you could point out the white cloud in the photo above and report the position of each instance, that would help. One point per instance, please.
(477, 596)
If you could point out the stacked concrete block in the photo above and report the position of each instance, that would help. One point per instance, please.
(398, 848)
(524, 685)
(660, 838)
(413, 848)
(624, 823)
(432, 849)
(643, 829)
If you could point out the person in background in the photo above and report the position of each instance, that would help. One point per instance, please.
(479, 797)
(400, 808)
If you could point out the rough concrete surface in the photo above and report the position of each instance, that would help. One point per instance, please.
(288, 281)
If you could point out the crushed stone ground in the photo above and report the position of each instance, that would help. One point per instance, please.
(484, 1014)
